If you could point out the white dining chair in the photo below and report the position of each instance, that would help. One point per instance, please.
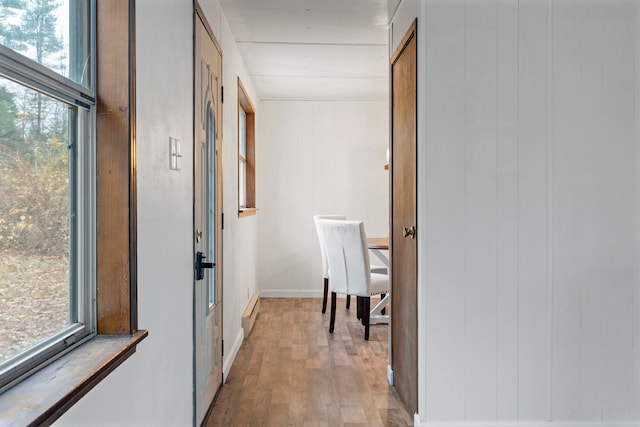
(323, 252)
(349, 267)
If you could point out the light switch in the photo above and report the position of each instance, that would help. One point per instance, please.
(175, 153)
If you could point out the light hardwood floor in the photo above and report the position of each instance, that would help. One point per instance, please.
(291, 372)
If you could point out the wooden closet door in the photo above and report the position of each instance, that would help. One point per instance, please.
(404, 268)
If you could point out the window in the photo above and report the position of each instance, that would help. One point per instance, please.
(47, 181)
(246, 154)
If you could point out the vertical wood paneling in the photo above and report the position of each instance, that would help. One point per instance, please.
(532, 202)
(282, 161)
(480, 209)
(287, 167)
(445, 188)
(635, 339)
(588, 188)
(567, 245)
(593, 172)
(534, 363)
(616, 194)
(507, 211)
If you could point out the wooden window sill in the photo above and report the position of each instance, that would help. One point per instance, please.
(247, 212)
(43, 397)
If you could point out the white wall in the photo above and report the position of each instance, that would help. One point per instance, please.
(530, 193)
(403, 16)
(315, 158)
(155, 386)
(240, 234)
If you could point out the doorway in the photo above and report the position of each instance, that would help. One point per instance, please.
(207, 218)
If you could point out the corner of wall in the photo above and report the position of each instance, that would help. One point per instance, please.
(230, 357)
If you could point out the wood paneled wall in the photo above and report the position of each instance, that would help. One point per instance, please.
(532, 211)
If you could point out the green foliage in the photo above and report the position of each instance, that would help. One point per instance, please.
(34, 165)
(10, 138)
(34, 206)
(34, 185)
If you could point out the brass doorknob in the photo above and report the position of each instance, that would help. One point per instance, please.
(406, 232)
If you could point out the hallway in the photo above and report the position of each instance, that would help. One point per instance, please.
(291, 371)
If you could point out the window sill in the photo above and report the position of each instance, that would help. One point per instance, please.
(47, 394)
(247, 212)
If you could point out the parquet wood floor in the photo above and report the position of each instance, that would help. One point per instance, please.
(291, 372)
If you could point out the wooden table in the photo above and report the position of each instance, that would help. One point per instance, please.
(377, 245)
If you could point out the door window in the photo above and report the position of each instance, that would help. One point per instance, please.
(210, 219)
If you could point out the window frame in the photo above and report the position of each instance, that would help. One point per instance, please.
(82, 197)
(71, 376)
(245, 105)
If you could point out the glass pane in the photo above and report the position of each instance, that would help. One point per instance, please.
(34, 217)
(242, 134)
(211, 206)
(242, 186)
(53, 33)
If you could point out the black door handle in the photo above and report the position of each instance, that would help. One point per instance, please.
(200, 265)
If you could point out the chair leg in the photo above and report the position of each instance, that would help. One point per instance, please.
(348, 301)
(324, 296)
(366, 314)
(384, 309)
(358, 308)
(332, 322)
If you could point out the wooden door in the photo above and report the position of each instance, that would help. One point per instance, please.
(207, 214)
(404, 269)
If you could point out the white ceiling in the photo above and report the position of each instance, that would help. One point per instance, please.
(313, 49)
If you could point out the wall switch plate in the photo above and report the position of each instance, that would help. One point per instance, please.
(175, 154)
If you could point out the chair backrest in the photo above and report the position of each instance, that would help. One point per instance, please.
(347, 256)
(323, 249)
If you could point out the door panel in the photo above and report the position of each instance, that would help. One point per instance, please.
(404, 270)
(207, 222)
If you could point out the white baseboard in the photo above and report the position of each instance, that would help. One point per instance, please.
(390, 375)
(417, 423)
(230, 355)
(290, 293)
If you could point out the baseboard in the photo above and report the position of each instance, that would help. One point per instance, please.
(250, 314)
(390, 375)
(417, 423)
(231, 354)
(290, 293)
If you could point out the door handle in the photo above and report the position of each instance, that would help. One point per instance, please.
(406, 232)
(201, 265)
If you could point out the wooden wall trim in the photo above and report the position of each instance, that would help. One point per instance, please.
(115, 165)
(243, 98)
(200, 13)
(411, 33)
(133, 176)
